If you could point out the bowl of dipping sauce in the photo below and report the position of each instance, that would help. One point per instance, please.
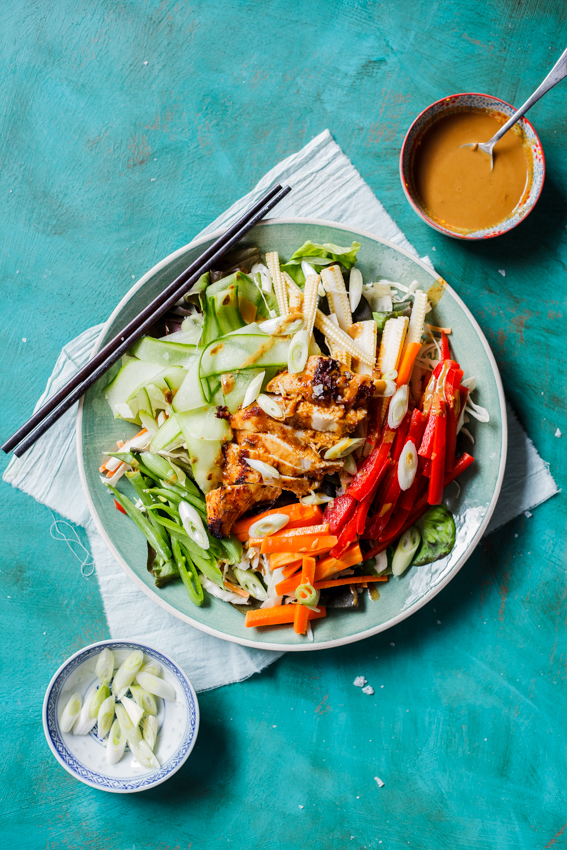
(453, 188)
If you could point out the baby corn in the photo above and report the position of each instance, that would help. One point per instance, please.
(416, 323)
(391, 344)
(337, 295)
(365, 335)
(280, 290)
(310, 299)
(340, 339)
(294, 293)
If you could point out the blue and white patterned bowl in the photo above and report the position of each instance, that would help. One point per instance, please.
(458, 102)
(83, 756)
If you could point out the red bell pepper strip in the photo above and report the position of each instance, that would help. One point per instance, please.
(388, 503)
(400, 438)
(373, 468)
(346, 537)
(417, 426)
(445, 351)
(339, 512)
(367, 502)
(436, 479)
(119, 507)
(421, 506)
(426, 446)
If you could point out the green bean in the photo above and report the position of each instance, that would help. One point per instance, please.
(164, 494)
(137, 481)
(208, 567)
(197, 501)
(248, 580)
(232, 549)
(158, 467)
(155, 540)
(164, 572)
(188, 574)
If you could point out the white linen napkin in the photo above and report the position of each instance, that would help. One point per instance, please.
(325, 185)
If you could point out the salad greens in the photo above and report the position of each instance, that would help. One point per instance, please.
(437, 529)
(319, 256)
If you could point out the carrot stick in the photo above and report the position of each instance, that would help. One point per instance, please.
(279, 615)
(308, 543)
(291, 569)
(292, 533)
(329, 566)
(337, 582)
(285, 559)
(404, 372)
(302, 611)
(298, 515)
(235, 588)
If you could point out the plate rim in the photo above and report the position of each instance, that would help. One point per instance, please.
(342, 641)
(46, 699)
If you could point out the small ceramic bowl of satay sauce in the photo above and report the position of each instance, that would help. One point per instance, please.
(453, 188)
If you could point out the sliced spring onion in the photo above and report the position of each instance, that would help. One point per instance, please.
(268, 525)
(115, 744)
(144, 699)
(152, 666)
(398, 406)
(97, 700)
(349, 465)
(381, 563)
(193, 525)
(355, 288)
(405, 550)
(391, 375)
(344, 447)
(318, 498)
(145, 756)
(265, 279)
(135, 712)
(150, 730)
(156, 686)
(85, 722)
(270, 406)
(105, 716)
(307, 595)
(105, 666)
(126, 673)
(407, 465)
(70, 712)
(132, 733)
(248, 580)
(391, 388)
(298, 353)
(253, 390)
(269, 473)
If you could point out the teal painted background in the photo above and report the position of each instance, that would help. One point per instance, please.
(109, 164)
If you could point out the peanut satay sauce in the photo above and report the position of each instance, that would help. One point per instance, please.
(455, 185)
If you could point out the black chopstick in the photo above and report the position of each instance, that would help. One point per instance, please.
(45, 417)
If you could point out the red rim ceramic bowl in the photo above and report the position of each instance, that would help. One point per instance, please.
(455, 103)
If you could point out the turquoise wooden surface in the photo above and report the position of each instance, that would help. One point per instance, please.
(109, 164)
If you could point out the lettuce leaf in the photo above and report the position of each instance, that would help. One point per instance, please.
(319, 256)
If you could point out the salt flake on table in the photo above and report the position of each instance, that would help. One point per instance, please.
(557, 433)
(360, 682)
(379, 781)
(368, 689)
(502, 272)
(528, 514)
(301, 807)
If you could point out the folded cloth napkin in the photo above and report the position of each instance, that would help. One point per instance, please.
(325, 185)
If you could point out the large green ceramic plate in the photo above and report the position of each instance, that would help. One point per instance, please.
(480, 485)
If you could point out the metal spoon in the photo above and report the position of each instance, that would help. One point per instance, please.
(557, 73)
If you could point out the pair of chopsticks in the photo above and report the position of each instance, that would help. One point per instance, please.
(55, 406)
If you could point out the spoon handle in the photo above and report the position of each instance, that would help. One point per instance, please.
(557, 73)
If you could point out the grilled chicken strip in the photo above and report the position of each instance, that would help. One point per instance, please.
(228, 502)
(325, 381)
(319, 406)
